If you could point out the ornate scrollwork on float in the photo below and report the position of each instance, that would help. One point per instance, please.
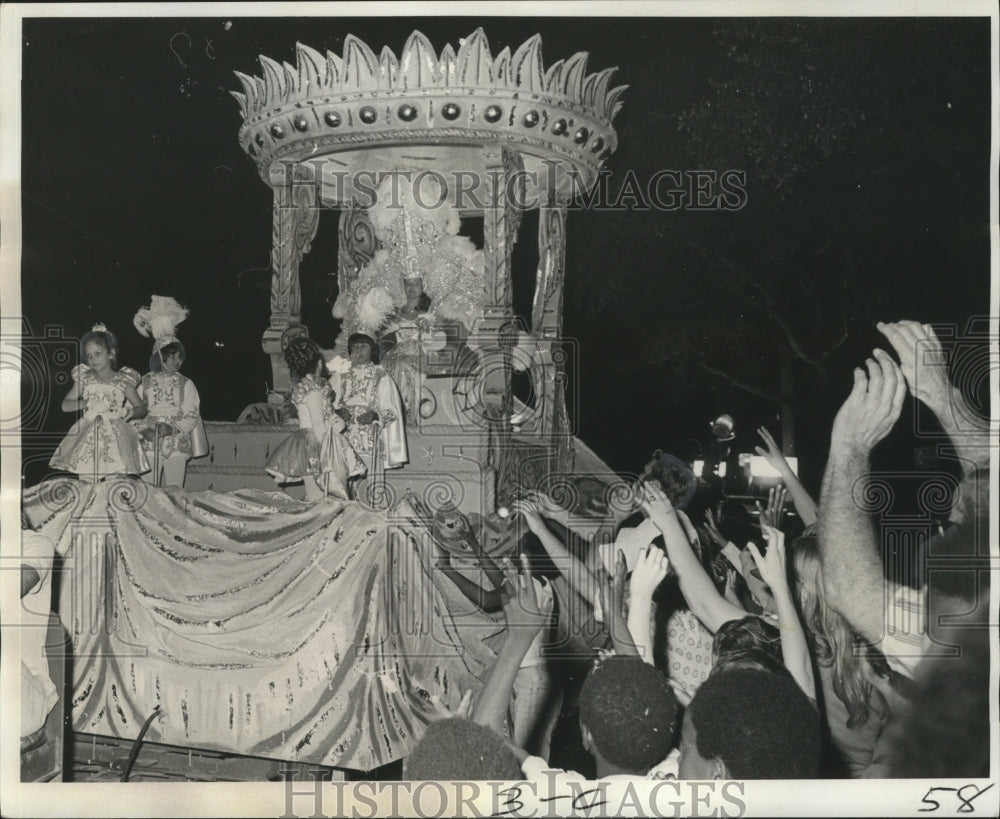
(357, 245)
(294, 225)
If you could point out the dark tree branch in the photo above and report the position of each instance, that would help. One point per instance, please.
(754, 389)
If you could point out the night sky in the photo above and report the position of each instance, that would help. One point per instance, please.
(134, 184)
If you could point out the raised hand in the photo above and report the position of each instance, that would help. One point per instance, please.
(528, 509)
(921, 359)
(464, 708)
(657, 505)
(772, 565)
(774, 512)
(650, 568)
(771, 451)
(525, 618)
(544, 505)
(873, 407)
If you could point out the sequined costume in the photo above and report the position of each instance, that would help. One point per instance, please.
(402, 362)
(318, 448)
(369, 387)
(101, 443)
(173, 400)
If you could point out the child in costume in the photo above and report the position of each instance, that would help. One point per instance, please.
(317, 453)
(102, 443)
(172, 432)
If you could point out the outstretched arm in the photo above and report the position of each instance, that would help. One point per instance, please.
(852, 568)
(581, 579)
(804, 505)
(613, 604)
(524, 620)
(649, 571)
(704, 599)
(591, 531)
(794, 647)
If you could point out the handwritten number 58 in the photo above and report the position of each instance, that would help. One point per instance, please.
(965, 805)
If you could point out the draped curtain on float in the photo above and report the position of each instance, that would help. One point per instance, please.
(259, 625)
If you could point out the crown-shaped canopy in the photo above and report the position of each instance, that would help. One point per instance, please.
(362, 113)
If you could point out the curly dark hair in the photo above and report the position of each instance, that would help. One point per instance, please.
(631, 712)
(301, 356)
(458, 748)
(761, 725)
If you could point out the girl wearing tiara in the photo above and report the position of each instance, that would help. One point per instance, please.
(172, 432)
(101, 443)
(317, 453)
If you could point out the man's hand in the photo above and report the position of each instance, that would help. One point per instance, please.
(774, 512)
(647, 574)
(921, 359)
(873, 407)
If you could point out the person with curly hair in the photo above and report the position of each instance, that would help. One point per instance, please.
(750, 724)
(459, 748)
(101, 442)
(628, 720)
(317, 453)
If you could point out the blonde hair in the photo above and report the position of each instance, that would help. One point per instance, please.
(832, 639)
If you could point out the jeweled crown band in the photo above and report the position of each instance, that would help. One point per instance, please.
(331, 103)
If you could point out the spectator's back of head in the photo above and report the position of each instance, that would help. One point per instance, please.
(630, 712)
(750, 724)
(458, 748)
(750, 642)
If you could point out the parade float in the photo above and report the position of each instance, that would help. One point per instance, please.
(233, 617)
(403, 151)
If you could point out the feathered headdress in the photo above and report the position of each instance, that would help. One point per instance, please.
(160, 320)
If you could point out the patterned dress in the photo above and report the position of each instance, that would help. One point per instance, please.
(172, 399)
(101, 443)
(318, 448)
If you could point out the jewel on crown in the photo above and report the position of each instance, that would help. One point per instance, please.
(100, 327)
